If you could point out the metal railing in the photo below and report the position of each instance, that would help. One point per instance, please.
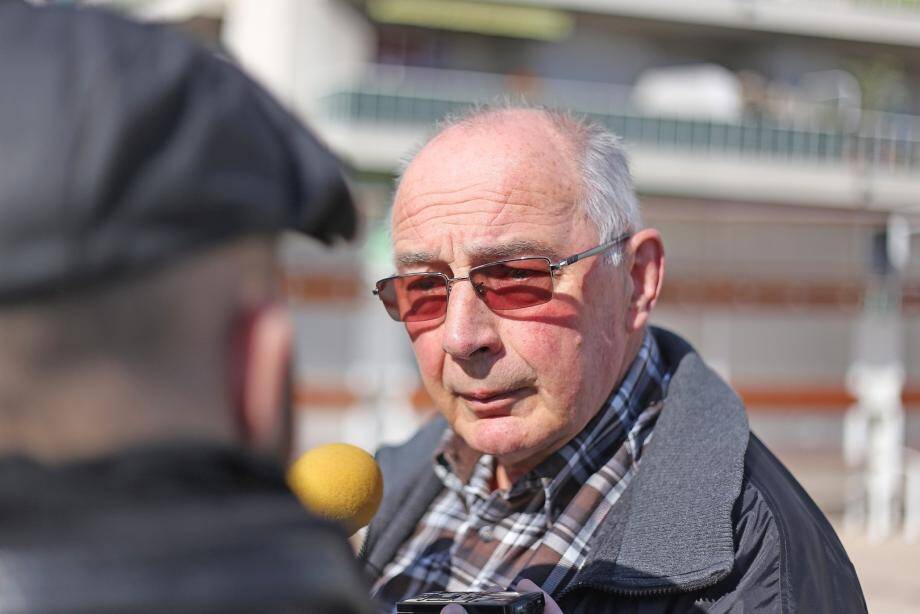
(894, 5)
(910, 5)
(407, 96)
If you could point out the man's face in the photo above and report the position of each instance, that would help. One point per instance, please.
(521, 383)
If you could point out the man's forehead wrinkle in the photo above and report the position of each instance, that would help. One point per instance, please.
(423, 222)
(429, 225)
(411, 203)
(422, 233)
(423, 203)
(498, 187)
(517, 205)
(427, 188)
(548, 204)
(506, 187)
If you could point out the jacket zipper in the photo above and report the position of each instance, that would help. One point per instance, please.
(641, 592)
(625, 592)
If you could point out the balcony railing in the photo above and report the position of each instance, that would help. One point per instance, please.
(395, 96)
(892, 4)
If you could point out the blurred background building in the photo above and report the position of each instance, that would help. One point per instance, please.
(775, 143)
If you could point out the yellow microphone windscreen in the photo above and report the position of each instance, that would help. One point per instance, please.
(340, 482)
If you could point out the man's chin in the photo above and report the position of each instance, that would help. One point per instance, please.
(501, 437)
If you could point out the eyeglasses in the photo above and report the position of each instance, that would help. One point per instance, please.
(503, 286)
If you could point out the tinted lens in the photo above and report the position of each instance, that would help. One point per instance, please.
(414, 298)
(515, 284)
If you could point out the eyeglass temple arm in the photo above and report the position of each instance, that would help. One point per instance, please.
(591, 252)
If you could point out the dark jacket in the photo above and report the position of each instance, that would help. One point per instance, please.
(712, 522)
(169, 529)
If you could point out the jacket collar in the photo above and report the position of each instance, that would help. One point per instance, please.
(672, 528)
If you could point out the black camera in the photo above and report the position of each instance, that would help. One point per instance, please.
(498, 602)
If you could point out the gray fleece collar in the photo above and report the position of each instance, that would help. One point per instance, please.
(672, 530)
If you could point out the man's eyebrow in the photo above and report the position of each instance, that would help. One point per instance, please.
(415, 258)
(511, 249)
(482, 254)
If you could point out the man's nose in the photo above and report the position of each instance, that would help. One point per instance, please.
(469, 325)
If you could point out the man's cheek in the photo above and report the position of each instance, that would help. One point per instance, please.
(541, 343)
(563, 313)
(430, 357)
(423, 330)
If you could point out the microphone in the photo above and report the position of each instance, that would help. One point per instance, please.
(340, 482)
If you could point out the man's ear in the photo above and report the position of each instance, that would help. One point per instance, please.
(646, 271)
(260, 369)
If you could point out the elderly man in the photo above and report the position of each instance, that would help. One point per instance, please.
(144, 343)
(579, 448)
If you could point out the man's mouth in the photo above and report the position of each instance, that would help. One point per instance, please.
(492, 403)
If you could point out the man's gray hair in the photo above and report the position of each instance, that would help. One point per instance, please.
(607, 196)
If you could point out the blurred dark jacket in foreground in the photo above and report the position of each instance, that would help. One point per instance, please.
(144, 344)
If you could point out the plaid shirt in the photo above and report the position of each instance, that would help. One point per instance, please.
(474, 538)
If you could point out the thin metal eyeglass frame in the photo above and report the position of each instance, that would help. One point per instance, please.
(553, 267)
